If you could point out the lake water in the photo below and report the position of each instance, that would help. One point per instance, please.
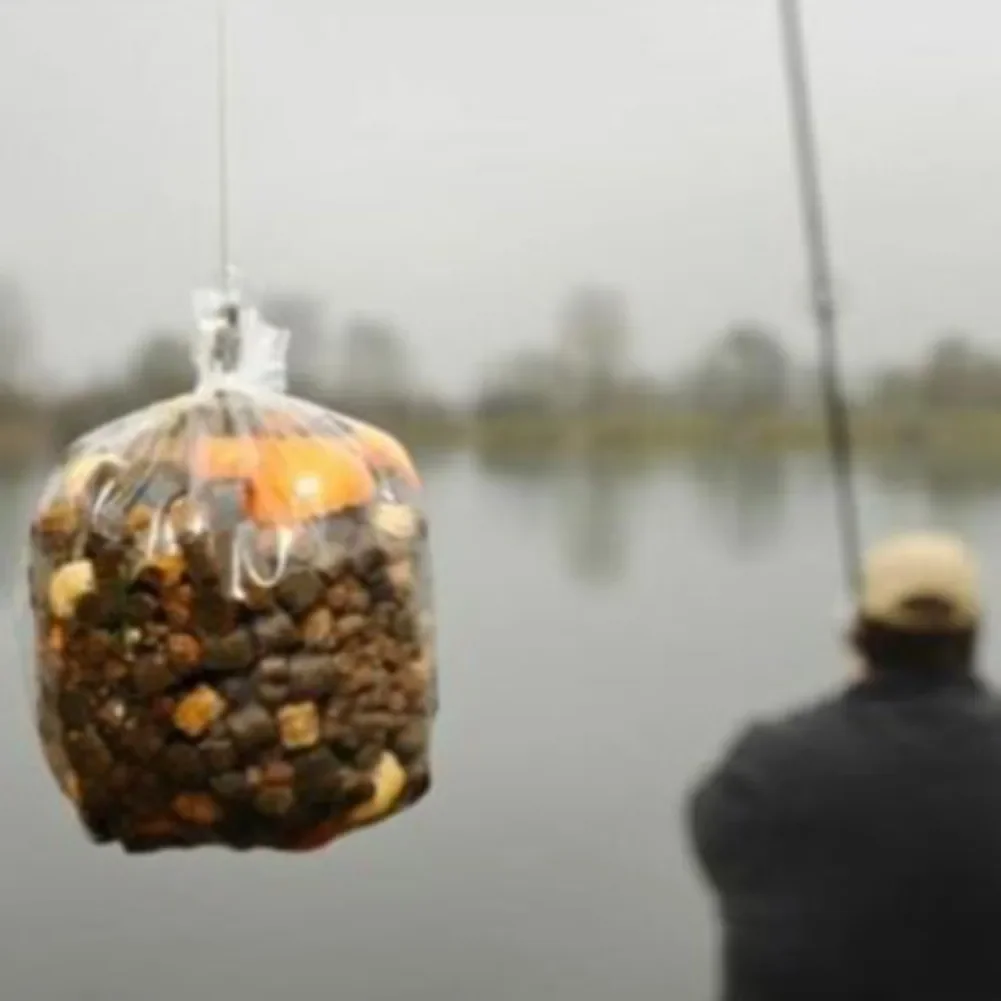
(603, 631)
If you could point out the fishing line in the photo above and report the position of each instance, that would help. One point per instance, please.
(824, 311)
(222, 98)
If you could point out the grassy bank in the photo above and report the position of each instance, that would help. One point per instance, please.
(972, 435)
(969, 435)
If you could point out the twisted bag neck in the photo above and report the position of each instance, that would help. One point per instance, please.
(235, 349)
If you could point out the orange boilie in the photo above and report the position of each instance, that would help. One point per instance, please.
(296, 477)
(289, 480)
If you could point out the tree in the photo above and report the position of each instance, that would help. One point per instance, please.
(896, 389)
(746, 371)
(527, 380)
(959, 373)
(16, 332)
(594, 344)
(304, 317)
(163, 367)
(376, 366)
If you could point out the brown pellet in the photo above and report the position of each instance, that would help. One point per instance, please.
(196, 712)
(299, 725)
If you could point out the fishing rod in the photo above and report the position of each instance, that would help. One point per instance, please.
(822, 296)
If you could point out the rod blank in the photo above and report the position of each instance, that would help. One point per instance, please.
(824, 309)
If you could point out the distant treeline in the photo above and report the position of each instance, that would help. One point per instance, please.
(585, 378)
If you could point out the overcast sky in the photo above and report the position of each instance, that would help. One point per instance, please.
(457, 165)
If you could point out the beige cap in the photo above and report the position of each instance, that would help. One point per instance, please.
(919, 581)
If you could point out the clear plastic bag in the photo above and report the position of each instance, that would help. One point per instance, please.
(232, 604)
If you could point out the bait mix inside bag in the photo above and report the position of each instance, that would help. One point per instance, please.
(233, 627)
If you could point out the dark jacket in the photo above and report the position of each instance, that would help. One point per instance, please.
(855, 847)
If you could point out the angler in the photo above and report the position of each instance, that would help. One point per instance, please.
(854, 846)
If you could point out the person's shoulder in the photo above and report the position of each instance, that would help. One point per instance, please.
(823, 710)
(797, 718)
(782, 734)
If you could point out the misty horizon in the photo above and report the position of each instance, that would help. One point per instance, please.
(458, 173)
